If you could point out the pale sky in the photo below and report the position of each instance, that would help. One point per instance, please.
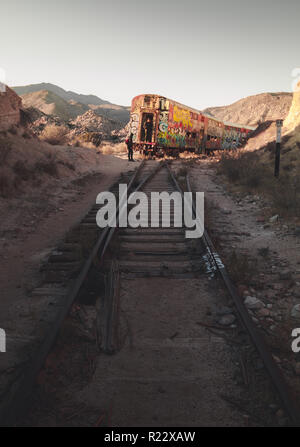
(200, 53)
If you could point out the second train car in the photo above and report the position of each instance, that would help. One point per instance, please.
(160, 125)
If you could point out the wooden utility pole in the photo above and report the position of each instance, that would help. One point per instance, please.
(279, 124)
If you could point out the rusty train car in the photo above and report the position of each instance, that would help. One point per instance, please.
(162, 126)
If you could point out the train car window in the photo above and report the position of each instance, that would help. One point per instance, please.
(147, 100)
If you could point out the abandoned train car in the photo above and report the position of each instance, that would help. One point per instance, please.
(160, 125)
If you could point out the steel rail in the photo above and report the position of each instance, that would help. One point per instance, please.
(274, 372)
(16, 400)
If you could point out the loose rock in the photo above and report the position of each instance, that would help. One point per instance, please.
(227, 320)
(224, 310)
(251, 302)
(274, 218)
(295, 312)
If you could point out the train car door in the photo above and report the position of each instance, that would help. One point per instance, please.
(147, 127)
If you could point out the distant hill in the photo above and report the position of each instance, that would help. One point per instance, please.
(52, 104)
(32, 97)
(254, 109)
(66, 95)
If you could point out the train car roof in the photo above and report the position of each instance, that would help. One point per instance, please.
(226, 123)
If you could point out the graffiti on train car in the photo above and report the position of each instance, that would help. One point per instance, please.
(134, 125)
(181, 117)
(175, 126)
(231, 138)
(163, 121)
(137, 103)
(172, 138)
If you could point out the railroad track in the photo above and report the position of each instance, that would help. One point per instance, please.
(158, 251)
(148, 253)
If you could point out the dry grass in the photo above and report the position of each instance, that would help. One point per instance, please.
(240, 267)
(252, 172)
(55, 135)
(5, 149)
(245, 168)
(110, 149)
(23, 171)
(47, 166)
(6, 184)
(186, 155)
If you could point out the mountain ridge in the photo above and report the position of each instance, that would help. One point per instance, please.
(254, 109)
(76, 102)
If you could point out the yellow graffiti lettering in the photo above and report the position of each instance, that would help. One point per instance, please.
(182, 116)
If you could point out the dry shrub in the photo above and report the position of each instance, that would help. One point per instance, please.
(53, 134)
(48, 166)
(13, 130)
(113, 148)
(188, 155)
(286, 195)
(86, 144)
(5, 149)
(67, 164)
(6, 184)
(22, 171)
(240, 267)
(26, 135)
(248, 171)
(245, 168)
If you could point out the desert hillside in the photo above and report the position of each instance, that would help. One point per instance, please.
(52, 99)
(254, 110)
(252, 169)
(51, 104)
(265, 134)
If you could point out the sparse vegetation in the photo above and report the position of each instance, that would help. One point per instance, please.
(245, 168)
(249, 172)
(5, 184)
(22, 170)
(55, 135)
(48, 166)
(13, 130)
(240, 267)
(113, 148)
(5, 149)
